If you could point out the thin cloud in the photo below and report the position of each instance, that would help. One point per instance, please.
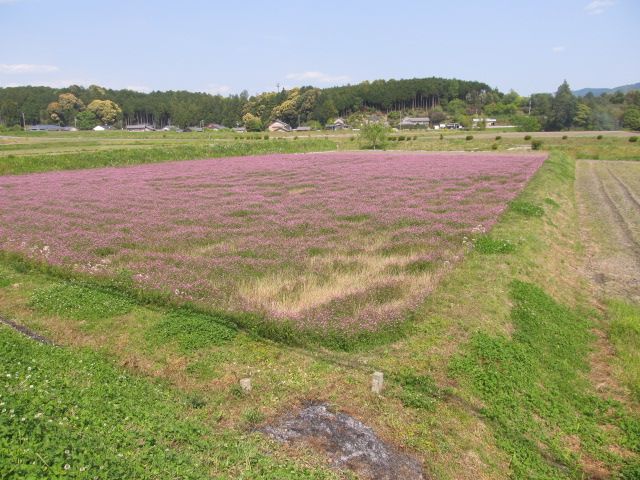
(216, 89)
(597, 7)
(138, 88)
(317, 77)
(558, 49)
(25, 68)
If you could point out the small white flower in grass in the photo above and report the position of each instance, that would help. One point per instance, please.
(67, 466)
(38, 415)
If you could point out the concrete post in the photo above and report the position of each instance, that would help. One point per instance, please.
(245, 384)
(377, 382)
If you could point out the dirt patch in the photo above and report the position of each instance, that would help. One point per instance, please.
(347, 442)
(610, 218)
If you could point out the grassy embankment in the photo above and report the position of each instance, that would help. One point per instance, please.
(492, 380)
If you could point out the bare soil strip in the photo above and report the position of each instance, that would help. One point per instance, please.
(610, 214)
(26, 331)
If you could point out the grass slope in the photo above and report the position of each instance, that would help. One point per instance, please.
(68, 413)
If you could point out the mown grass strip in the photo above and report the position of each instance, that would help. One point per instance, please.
(13, 165)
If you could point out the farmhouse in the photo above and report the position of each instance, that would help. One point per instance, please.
(489, 122)
(338, 124)
(279, 126)
(215, 126)
(302, 129)
(140, 127)
(414, 122)
(46, 128)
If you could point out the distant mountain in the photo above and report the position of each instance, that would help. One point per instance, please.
(599, 91)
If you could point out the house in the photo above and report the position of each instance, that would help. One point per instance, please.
(414, 122)
(338, 124)
(46, 128)
(452, 126)
(99, 128)
(194, 129)
(140, 127)
(302, 129)
(489, 122)
(239, 129)
(215, 126)
(279, 126)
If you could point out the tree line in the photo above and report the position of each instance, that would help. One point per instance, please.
(440, 99)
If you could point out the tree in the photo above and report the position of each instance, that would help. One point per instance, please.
(584, 117)
(86, 120)
(563, 108)
(374, 135)
(106, 111)
(251, 122)
(527, 124)
(437, 116)
(64, 110)
(631, 118)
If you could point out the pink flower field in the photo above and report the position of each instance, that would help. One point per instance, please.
(343, 241)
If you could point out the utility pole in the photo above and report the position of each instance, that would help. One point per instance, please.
(278, 87)
(529, 106)
(24, 123)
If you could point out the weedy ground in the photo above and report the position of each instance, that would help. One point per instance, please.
(494, 378)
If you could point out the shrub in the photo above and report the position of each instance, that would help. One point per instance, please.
(633, 139)
(469, 137)
(415, 137)
(498, 138)
(494, 146)
(564, 137)
(441, 137)
(599, 137)
(266, 137)
(527, 137)
(536, 144)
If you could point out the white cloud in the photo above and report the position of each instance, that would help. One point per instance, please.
(558, 49)
(317, 77)
(596, 7)
(216, 89)
(22, 68)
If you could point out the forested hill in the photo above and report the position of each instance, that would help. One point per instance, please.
(182, 108)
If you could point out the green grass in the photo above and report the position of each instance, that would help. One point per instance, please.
(527, 209)
(534, 390)
(67, 413)
(133, 156)
(79, 302)
(489, 245)
(191, 330)
(624, 333)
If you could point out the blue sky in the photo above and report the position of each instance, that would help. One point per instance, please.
(225, 47)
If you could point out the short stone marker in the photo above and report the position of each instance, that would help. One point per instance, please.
(245, 384)
(377, 382)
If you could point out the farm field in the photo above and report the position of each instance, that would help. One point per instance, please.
(344, 242)
(475, 385)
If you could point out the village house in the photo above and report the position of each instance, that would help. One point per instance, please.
(338, 124)
(140, 127)
(414, 122)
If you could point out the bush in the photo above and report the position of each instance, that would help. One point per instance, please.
(498, 138)
(599, 137)
(469, 137)
(441, 137)
(633, 139)
(527, 137)
(527, 209)
(266, 137)
(494, 146)
(564, 137)
(536, 144)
